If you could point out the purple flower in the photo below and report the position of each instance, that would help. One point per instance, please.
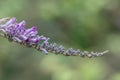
(9, 23)
(17, 32)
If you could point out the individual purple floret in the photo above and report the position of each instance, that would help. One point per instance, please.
(13, 31)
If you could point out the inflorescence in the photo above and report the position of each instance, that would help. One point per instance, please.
(13, 31)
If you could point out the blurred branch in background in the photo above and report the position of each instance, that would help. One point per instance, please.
(86, 24)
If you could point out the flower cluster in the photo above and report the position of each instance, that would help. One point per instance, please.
(14, 31)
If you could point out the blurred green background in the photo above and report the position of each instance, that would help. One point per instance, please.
(92, 25)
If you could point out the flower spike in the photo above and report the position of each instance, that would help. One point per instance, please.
(13, 31)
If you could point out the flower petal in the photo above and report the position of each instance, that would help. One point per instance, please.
(11, 21)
